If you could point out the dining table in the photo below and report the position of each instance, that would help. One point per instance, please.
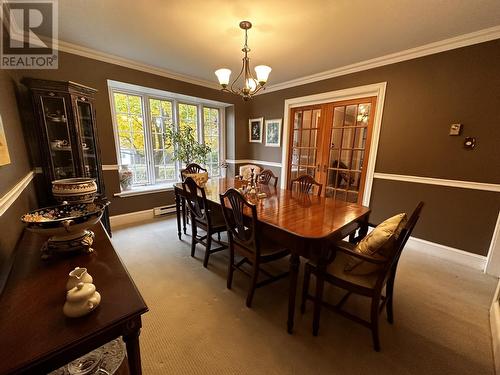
(306, 224)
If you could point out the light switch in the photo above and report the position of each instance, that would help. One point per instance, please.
(455, 129)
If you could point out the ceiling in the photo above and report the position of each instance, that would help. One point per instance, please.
(295, 37)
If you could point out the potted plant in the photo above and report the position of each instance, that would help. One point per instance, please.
(186, 147)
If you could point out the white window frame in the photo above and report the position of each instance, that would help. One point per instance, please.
(146, 94)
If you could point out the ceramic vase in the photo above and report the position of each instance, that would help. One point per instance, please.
(126, 177)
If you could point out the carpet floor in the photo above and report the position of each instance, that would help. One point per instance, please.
(197, 326)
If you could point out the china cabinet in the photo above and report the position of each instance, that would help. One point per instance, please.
(68, 147)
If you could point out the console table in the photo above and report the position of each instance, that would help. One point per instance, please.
(36, 337)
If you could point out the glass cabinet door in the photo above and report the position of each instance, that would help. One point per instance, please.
(87, 139)
(58, 136)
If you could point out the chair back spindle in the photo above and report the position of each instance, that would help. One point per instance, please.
(305, 184)
(265, 177)
(196, 200)
(241, 228)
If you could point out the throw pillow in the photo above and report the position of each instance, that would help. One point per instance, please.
(378, 243)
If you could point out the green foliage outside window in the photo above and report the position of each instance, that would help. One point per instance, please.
(186, 147)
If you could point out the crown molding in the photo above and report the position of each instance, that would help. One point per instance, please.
(409, 54)
(464, 40)
(90, 53)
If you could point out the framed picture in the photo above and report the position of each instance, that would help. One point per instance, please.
(273, 133)
(255, 129)
(4, 151)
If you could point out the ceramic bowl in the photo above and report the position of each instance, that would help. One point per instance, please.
(74, 190)
(65, 221)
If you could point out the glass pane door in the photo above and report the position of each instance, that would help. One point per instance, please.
(58, 135)
(305, 142)
(87, 138)
(350, 128)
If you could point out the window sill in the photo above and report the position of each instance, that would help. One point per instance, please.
(141, 190)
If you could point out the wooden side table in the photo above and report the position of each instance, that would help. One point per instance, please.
(36, 337)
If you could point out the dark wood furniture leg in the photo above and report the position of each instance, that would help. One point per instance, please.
(318, 299)
(131, 339)
(178, 213)
(294, 274)
(183, 205)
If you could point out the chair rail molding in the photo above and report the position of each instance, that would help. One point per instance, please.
(11, 196)
(376, 89)
(439, 182)
(249, 161)
(110, 167)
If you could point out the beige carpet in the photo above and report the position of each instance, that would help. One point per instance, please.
(196, 326)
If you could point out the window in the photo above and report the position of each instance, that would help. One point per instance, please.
(141, 118)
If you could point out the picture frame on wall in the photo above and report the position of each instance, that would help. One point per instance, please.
(273, 132)
(255, 130)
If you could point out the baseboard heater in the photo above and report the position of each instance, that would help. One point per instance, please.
(164, 210)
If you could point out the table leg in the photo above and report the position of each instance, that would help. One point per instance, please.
(178, 213)
(318, 298)
(131, 340)
(183, 203)
(294, 273)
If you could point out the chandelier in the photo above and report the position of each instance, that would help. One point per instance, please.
(249, 86)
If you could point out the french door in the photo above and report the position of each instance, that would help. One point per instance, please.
(331, 143)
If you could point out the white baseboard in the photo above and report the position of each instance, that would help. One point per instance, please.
(495, 328)
(131, 218)
(448, 253)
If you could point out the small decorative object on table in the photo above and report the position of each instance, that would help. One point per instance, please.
(74, 190)
(67, 225)
(78, 275)
(126, 177)
(81, 300)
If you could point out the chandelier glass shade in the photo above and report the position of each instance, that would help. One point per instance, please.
(245, 84)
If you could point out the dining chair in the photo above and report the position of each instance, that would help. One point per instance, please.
(247, 238)
(245, 171)
(192, 168)
(203, 216)
(265, 177)
(371, 285)
(305, 184)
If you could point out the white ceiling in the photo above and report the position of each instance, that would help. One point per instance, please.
(295, 37)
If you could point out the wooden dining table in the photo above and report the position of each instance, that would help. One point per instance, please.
(306, 224)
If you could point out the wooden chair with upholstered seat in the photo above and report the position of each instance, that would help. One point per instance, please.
(203, 216)
(247, 238)
(370, 285)
(266, 176)
(190, 169)
(305, 184)
(245, 171)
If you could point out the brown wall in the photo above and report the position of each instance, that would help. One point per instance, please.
(12, 173)
(424, 96)
(95, 74)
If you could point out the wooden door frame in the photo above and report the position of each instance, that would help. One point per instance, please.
(376, 89)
